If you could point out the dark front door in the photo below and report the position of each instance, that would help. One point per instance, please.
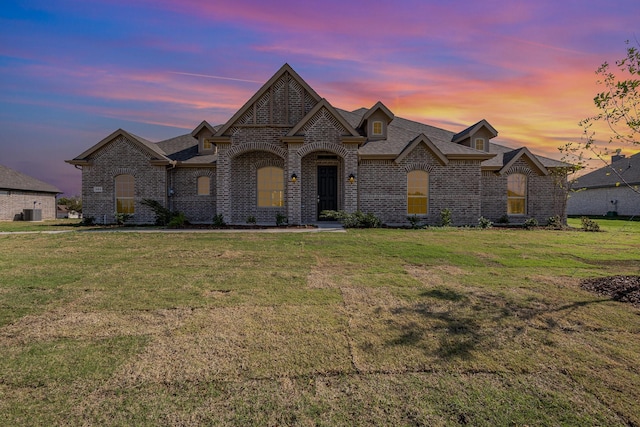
(327, 189)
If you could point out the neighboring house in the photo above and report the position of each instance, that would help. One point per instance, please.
(611, 190)
(288, 151)
(19, 192)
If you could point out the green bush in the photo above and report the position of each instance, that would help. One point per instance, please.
(88, 220)
(177, 221)
(554, 222)
(356, 219)
(589, 224)
(218, 221)
(251, 219)
(504, 219)
(530, 223)
(415, 221)
(121, 218)
(281, 219)
(484, 223)
(163, 215)
(445, 218)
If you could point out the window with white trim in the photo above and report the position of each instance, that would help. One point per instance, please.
(479, 144)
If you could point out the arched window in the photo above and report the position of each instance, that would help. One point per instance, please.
(516, 194)
(417, 192)
(125, 194)
(270, 187)
(204, 186)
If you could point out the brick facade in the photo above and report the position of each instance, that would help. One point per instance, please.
(287, 125)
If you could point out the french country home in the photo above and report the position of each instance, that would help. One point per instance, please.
(290, 152)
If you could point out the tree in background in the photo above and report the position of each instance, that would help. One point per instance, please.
(618, 107)
(72, 203)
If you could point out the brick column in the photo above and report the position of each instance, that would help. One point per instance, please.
(351, 188)
(294, 189)
(223, 181)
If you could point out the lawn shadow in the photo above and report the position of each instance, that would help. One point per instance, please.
(464, 323)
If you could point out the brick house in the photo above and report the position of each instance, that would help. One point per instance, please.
(611, 190)
(288, 151)
(19, 192)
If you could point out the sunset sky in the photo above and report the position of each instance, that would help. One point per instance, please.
(73, 71)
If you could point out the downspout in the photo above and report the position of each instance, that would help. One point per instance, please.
(170, 183)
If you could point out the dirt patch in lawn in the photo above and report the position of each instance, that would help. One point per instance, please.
(619, 288)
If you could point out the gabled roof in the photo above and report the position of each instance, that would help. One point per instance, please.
(624, 170)
(152, 149)
(13, 180)
(378, 106)
(511, 157)
(422, 139)
(286, 68)
(473, 129)
(323, 103)
(202, 126)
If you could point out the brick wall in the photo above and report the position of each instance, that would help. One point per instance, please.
(456, 186)
(598, 201)
(184, 182)
(14, 201)
(544, 195)
(150, 181)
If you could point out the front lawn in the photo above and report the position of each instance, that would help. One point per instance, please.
(370, 327)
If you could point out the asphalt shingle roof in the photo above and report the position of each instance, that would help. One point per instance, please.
(627, 168)
(13, 180)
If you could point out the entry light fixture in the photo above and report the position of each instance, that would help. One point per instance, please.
(352, 178)
(294, 177)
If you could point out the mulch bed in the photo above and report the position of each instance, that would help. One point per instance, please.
(619, 288)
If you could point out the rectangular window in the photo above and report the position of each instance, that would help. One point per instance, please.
(270, 187)
(480, 144)
(125, 194)
(377, 128)
(417, 192)
(204, 186)
(516, 194)
(207, 144)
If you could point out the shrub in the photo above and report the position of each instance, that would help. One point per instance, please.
(121, 218)
(445, 218)
(218, 221)
(163, 215)
(281, 219)
(415, 221)
(530, 223)
(504, 219)
(356, 219)
(88, 220)
(589, 224)
(251, 219)
(484, 223)
(554, 222)
(178, 220)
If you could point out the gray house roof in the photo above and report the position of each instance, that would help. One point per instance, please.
(626, 169)
(13, 180)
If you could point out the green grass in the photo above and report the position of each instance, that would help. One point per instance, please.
(370, 327)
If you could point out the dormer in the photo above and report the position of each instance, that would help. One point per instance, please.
(204, 134)
(476, 136)
(375, 122)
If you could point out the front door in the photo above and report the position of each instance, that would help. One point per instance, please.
(327, 189)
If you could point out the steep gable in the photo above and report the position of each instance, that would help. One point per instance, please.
(325, 110)
(282, 102)
(156, 154)
(423, 139)
(510, 158)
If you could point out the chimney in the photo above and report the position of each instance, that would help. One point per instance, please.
(617, 157)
